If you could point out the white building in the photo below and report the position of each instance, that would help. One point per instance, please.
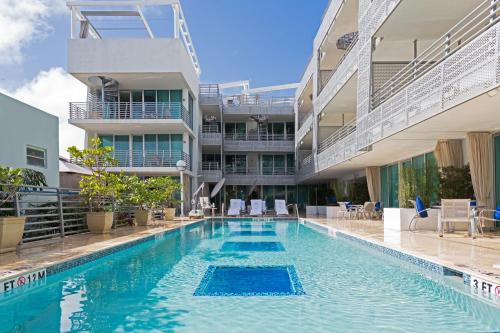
(391, 81)
(29, 138)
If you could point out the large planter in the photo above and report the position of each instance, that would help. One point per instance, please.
(99, 222)
(142, 216)
(11, 232)
(169, 214)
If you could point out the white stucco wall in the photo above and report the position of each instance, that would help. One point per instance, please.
(22, 125)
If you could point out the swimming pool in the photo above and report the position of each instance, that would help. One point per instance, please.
(247, 276)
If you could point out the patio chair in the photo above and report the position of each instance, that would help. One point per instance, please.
(280, 207)
(367, 211)
(422, 212)
(234, 207)
(256, 209)
(345, 209)
(488, 215)
(378, 211)
(457, 211)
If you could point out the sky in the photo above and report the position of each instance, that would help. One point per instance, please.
(265, 41)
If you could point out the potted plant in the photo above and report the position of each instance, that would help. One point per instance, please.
(101, 187)
(147, 195)
(170, 189)
(11, 226)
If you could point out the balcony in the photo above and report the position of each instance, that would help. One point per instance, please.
(210, 135)
(211, 172)
(304, 127)
(118, 117)
(258, 105)
(334, 80)
(259, 142)
(256, 176)
(148, 161)
(210, 95)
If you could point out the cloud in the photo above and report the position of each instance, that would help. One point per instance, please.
(22, 21)
(51, 91)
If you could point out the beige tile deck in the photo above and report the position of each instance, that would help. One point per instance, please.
(40, 254)
(454, 250)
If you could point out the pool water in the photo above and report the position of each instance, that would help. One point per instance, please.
(305, 282)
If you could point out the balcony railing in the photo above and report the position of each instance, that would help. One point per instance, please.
(211, 171)
(338, 135)
(210, 94)
(475, 23)
(264, 171)
(326, 75)
(126, 111)
(150, 159)
(260, 176)
(257, 104)
(258, 142)
(210, 135)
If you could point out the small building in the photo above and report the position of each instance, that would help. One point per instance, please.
(70, 174)
(29, 138)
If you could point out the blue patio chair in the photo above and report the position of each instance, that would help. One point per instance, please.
(422, 212)
(378, 209)
(488, 215)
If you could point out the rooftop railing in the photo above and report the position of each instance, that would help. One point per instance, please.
(258, 137)
(210, 94)
(258, 104)
(129, 110)
(476, 22)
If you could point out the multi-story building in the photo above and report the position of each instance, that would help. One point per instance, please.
(395, 83)
(145, 99)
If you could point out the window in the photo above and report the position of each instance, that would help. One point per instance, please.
(36, 156)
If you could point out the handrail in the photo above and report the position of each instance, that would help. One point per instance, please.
(264, 171)
(130, 110)
(163, 158)
(210, 129)
(261, 100)
(259, 137)
(210, 166)
(473, 24)
(338, 135)
(324, 80)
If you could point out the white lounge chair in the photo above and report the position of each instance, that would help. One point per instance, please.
(280, 207)
(234, 207)
(256, 209)
(205, 204)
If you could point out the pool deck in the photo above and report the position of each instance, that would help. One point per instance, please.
(480, 256)
(41, 254)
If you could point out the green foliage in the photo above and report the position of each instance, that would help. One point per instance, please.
(102, 186)
(357, 190)
(10, 180)
(33, 178)
(153, 192)
(456, 183)
(421, 182)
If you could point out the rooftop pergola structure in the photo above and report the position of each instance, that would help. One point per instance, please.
(82, 27)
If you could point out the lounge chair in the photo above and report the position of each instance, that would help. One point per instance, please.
(234, 207)
(280, 207)
(256, 209)
(205, 204)
(346, 209)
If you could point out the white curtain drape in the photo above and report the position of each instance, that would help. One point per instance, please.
(449, 153)
(373, 182)
(480, 150)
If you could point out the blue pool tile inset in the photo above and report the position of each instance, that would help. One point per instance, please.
(250, 281)
(252, 246)
(253, 233)
(250, 226)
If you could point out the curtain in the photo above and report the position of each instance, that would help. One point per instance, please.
(449, 153)
(480, 150)
(373, 182)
